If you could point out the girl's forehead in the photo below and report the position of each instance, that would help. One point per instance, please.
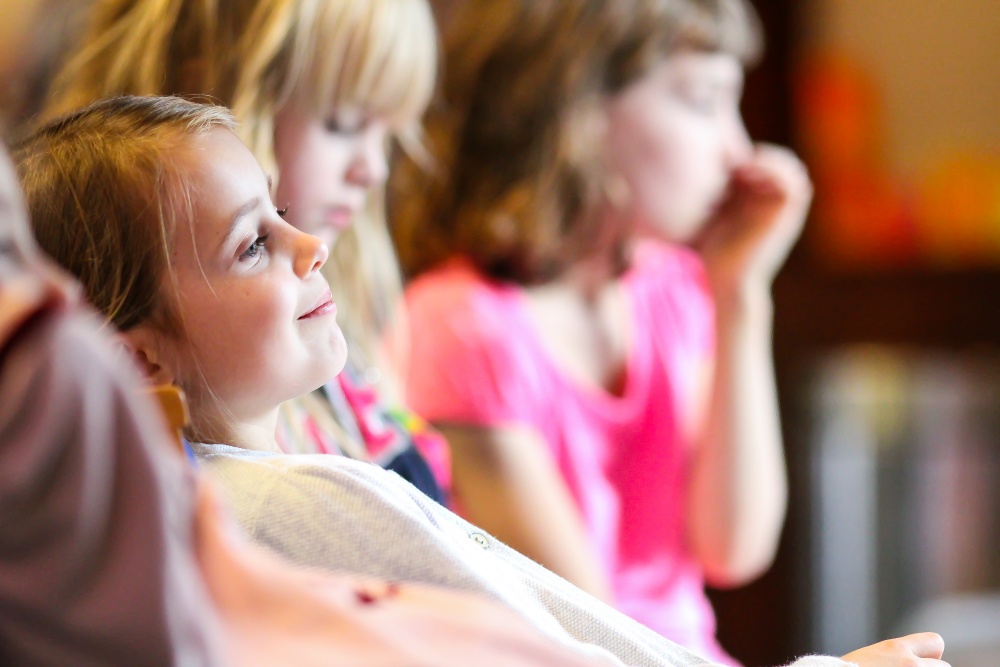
(225, 185)
(710, 66)
(358, 110)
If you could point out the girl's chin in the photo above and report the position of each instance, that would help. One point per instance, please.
(331, 366)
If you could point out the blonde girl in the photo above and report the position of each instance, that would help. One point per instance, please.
(591, 312)
(322, 89)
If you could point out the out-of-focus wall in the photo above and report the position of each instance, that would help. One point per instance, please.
(934, 63)
(898, 105)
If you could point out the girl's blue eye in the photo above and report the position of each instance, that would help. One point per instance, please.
(255, 248)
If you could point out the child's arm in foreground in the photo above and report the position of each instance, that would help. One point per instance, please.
(738, 487)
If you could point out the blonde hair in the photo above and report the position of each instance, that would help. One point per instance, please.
(256, 56)
(518, 181)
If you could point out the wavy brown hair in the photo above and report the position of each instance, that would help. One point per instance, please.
(517, 184)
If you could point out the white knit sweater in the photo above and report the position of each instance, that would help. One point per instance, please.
(344, 515)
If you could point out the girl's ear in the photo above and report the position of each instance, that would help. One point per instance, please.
(147, 350)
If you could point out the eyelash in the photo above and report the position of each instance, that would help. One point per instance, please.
(261, 240)
(335, 126)
(254, 249)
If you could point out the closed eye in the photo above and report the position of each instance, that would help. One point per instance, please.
(337, 126)
(700, 98)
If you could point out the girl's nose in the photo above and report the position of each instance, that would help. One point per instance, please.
(369, 167)
(310, 254)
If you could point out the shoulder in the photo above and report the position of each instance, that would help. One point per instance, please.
(260, 484)
(458, 318)
(455, 290)
(333, 512)
(657, 261)
(290, 468)
(673, 301)
(668, 275)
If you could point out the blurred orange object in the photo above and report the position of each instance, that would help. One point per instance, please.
(861, 216)
(958, 211)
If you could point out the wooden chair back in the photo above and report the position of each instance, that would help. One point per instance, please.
(174, 406)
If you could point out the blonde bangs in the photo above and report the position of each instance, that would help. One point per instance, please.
(380, 57)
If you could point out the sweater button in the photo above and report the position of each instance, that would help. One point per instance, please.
(480, 539)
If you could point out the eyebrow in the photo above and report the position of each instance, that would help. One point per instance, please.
(244, 211)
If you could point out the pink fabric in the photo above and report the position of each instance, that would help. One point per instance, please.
(477, 359)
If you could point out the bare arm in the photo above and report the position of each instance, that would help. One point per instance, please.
(509, 485)
(738, 486)
(738, 492)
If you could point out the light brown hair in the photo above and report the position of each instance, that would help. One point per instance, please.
(517, 183)
(105, 189)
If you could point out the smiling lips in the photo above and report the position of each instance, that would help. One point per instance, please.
(326, 306)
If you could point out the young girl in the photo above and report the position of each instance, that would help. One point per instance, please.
(591, 318)
(209, 256)
(320, 88)
(111, 550)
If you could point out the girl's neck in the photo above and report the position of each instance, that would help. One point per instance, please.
(599, 269)
(255, 434)
(590, 276)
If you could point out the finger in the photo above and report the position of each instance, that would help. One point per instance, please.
(775, 154)
(784, 172)
(924, 644)
(778, 160)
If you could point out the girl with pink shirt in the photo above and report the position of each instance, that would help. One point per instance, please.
(590, 314)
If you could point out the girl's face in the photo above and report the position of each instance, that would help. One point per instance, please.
(674, 137)
(327, 167)
(260, 322)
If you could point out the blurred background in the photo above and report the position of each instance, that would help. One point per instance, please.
(887, 335)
